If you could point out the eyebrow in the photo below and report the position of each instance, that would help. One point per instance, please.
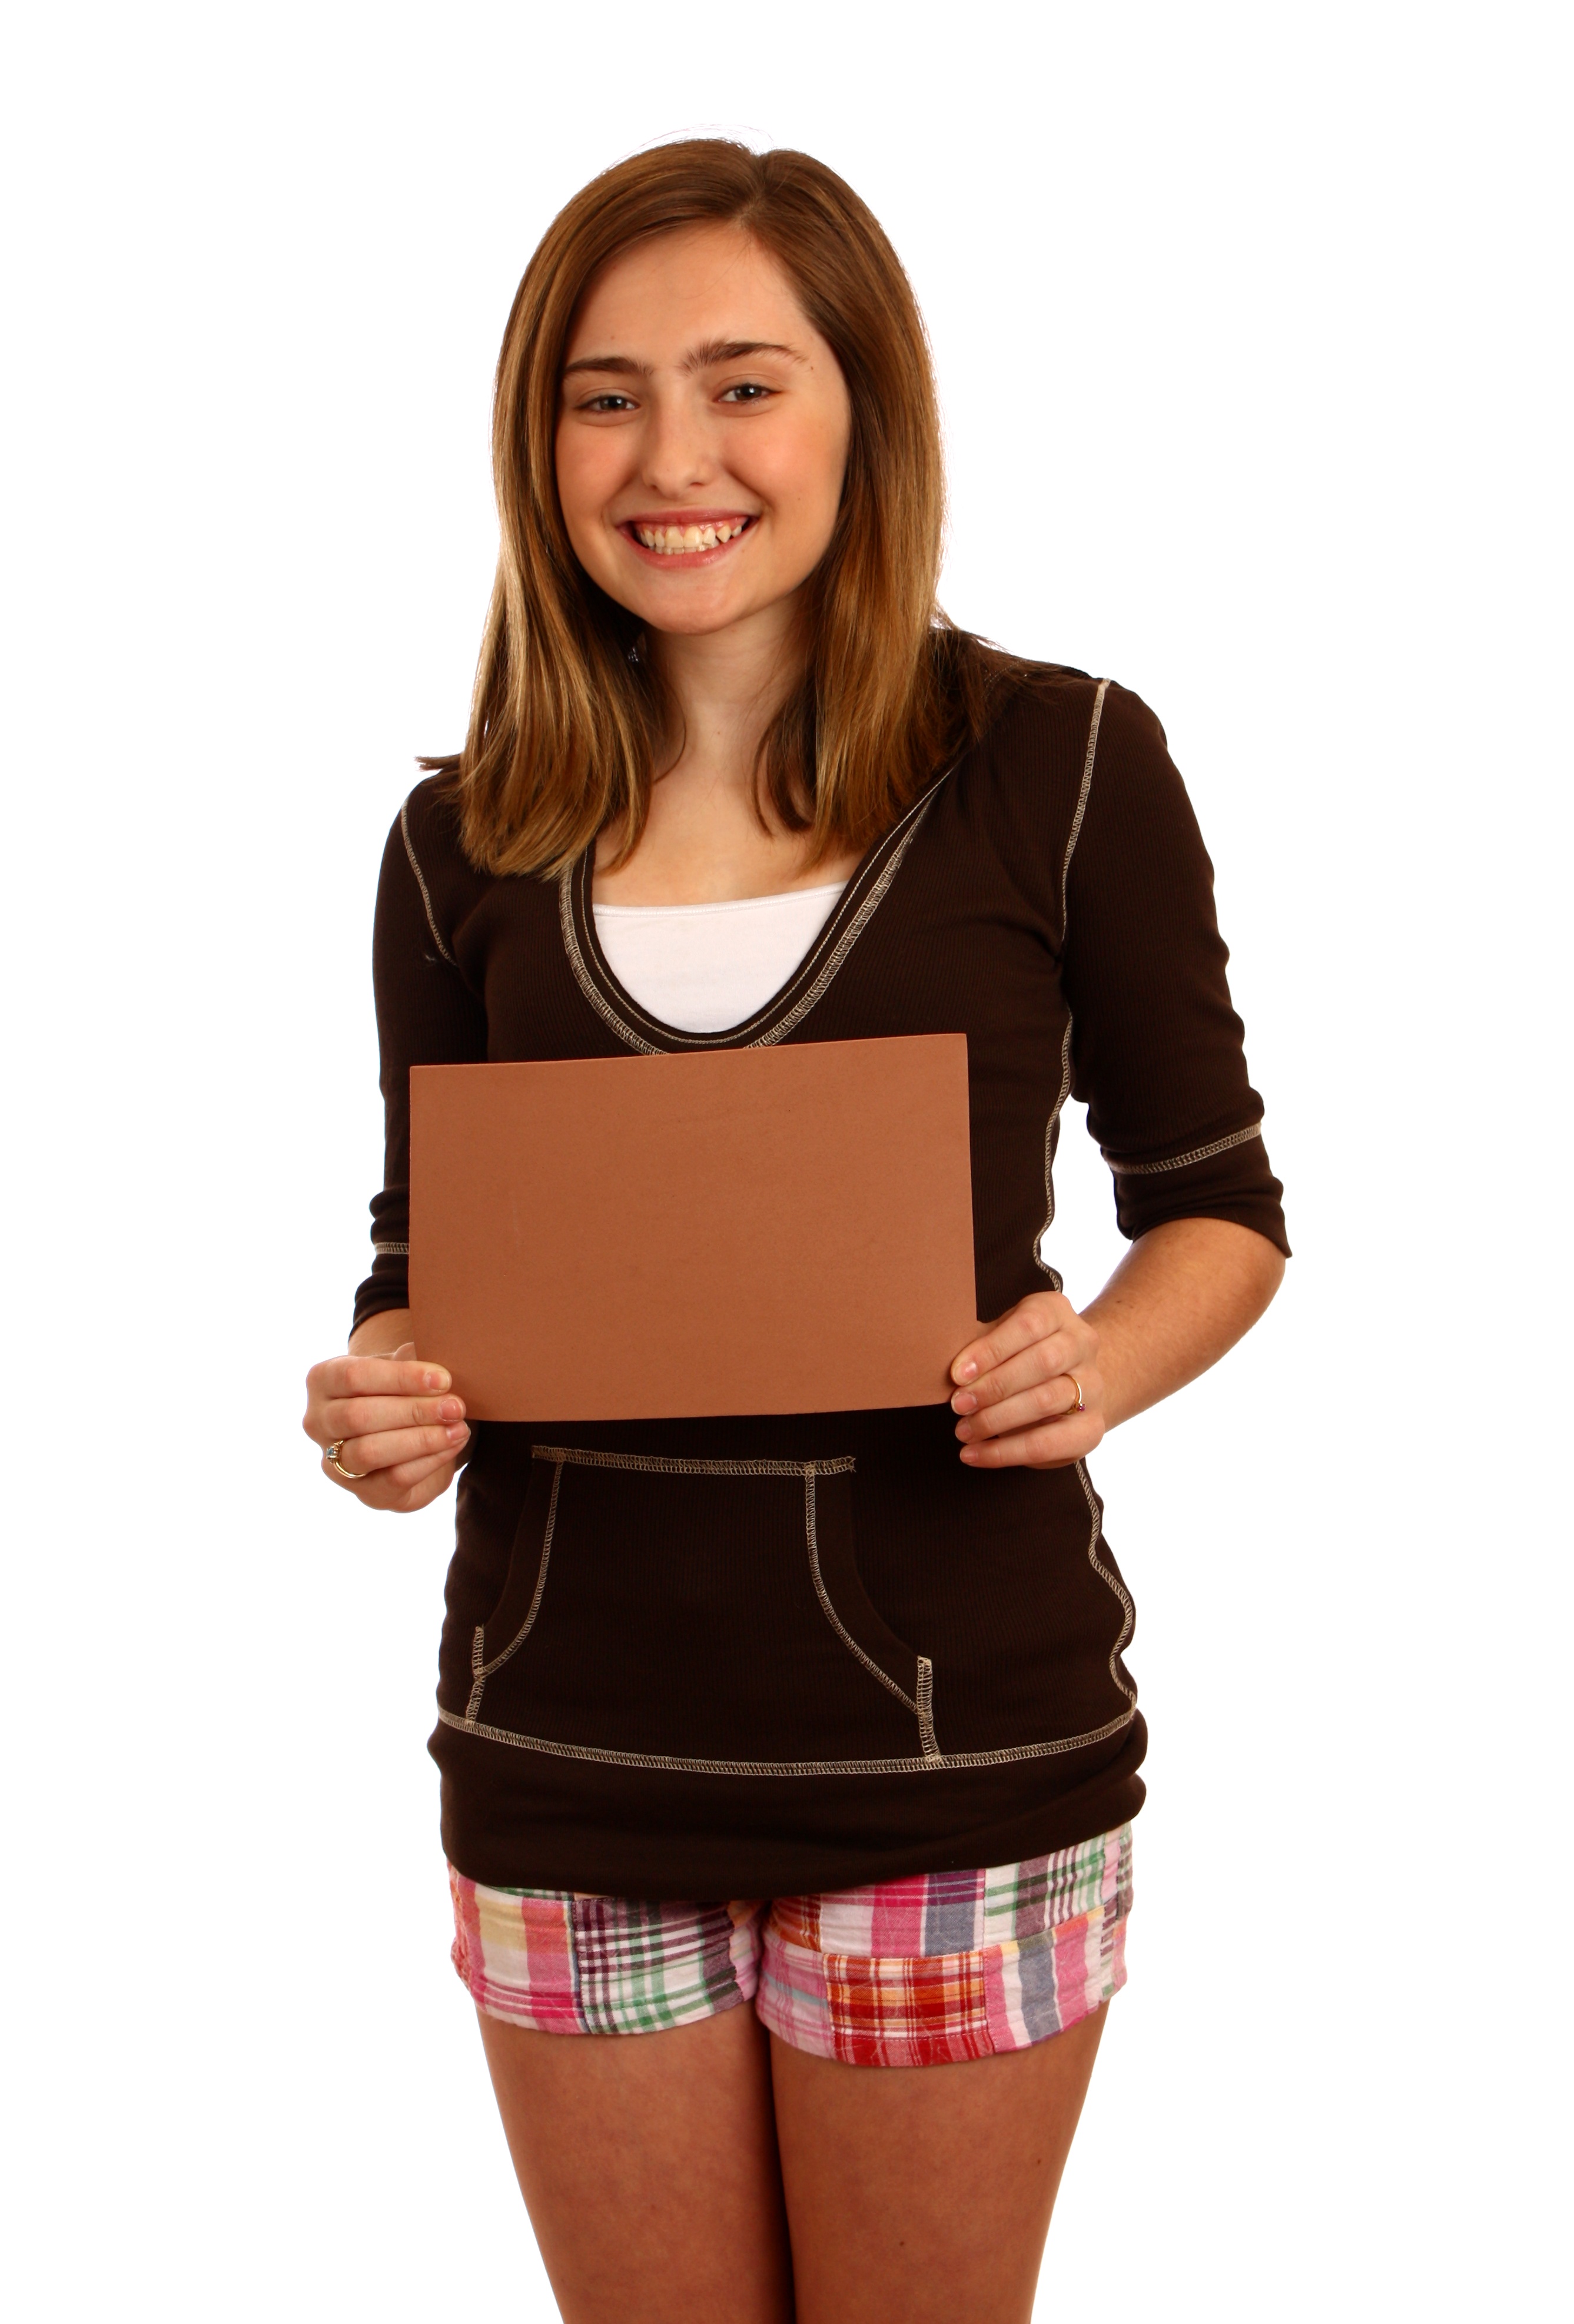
(700, 359)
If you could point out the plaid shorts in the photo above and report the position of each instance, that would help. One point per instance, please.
(928, 1971)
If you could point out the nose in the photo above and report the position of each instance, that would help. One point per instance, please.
(677, 454)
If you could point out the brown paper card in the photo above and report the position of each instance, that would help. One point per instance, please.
(739, 1231)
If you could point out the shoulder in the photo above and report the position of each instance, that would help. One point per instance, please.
(429, 832)
(424, 858)
(1063, 765)
(1134, 810)
(1034, 725)
(1059, 741)
(1046, 716)
(426, 826)
(1036, 728)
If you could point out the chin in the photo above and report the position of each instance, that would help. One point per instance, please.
(685, 614)
(695, 623)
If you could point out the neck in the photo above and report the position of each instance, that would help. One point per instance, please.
(703, 841)
(728, 685)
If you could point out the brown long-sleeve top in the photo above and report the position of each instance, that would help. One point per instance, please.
(734, 1658)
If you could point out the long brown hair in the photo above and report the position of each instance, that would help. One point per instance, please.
(567, 717)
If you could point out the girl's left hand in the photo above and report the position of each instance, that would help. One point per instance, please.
(1016, 1389)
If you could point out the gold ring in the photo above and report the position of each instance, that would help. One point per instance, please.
(350, 1476)
(1079, 1406)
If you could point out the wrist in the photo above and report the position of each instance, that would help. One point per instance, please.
(382, 1334)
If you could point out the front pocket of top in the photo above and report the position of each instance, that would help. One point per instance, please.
(699, 1610)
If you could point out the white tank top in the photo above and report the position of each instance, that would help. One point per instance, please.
(703, 967)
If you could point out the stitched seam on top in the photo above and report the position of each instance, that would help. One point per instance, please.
(582, 976)
(1112, 1581)
(669, 1763)
(420, 881)
(1051, 1125)
(483, 1670)
(1051, 1140)
(728, 1034)
(392, 1249)
(1076, 829)
(661, 1464)
(775, 1032)
(826, 1607)
(931, 1748)
(1183, 1161)
(851, 934)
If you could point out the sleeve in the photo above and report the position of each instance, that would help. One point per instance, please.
(1157, 1047)
(427, 1015)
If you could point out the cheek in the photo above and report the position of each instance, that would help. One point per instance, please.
(820, 463)
(799, 470)
(587, 477)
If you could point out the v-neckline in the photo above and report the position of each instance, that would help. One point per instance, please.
(860, 900)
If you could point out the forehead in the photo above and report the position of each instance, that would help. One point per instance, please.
(676, 290)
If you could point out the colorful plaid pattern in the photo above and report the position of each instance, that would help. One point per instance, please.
(567, 1964)
(928, 1971)
(954, 1965)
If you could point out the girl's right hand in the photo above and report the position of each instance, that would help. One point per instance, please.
(392, 1421)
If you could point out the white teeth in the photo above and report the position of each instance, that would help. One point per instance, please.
(687, 539)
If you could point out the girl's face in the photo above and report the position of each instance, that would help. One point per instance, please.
(702, 434)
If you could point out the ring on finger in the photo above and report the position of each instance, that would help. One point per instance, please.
(1080, 1406)
(350, 1476)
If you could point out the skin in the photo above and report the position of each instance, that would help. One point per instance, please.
(708, 2170)
(668, 425)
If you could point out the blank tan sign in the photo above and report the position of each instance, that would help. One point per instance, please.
(775, 1230)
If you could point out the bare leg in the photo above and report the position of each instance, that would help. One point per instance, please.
(924, 2192)
(647, 2164)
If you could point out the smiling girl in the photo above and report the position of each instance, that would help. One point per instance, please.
(788, 1763)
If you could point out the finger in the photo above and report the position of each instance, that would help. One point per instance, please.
(1054, 1445)
(1031, 1319)
(343, 1376)
(367, 1416)
(390, 1376)
(1063, 1351)
(410, 1474)
(390, 1448)
(1049, 1400)
(404, 1488)
(429, 1490)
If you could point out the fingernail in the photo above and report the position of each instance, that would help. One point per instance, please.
(963, 1432)
(963, 1402)
(967, 1371)
(969, 1456)
(450, 1409)
(433, 1380)
(458, 1433)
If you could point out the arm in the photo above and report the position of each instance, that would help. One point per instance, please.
(1158, 1054)
(1180, 1299)
(400, 1433)
(385, 1334)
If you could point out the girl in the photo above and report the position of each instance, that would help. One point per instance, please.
(788, 1763)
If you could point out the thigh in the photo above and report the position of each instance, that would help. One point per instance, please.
(926, 2191)
(647, 2164)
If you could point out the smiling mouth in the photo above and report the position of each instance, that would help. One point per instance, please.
(686, 540)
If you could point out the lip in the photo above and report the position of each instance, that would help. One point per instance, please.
(686, 560)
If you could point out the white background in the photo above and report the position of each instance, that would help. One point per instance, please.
(1246, 324)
